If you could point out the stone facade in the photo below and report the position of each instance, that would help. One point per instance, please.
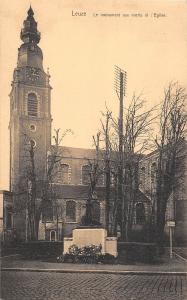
(30, 102)
(30, 121)
(177, 203)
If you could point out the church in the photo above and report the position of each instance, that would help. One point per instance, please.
(30, 122)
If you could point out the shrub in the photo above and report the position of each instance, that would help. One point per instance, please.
(130, 252)
(88, 254)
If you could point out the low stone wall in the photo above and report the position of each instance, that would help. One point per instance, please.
(129, 252)
(111, 246)
(67, 243)
(37, 249)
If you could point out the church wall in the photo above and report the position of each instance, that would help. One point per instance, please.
(75, 169)
(177, 204)
(64, 226)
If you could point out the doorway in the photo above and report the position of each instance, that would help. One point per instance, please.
(52, 235)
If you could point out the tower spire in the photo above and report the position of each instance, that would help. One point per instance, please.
(30, 11)
(29, 54)
(29, 32)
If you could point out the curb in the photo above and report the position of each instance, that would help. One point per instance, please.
(10, 255)
(179, 256)
(95, 271)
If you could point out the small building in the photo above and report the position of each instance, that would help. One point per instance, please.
(7, 232)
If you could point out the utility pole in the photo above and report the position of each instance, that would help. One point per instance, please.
(107, 170)
(120, 85)
(26, 223)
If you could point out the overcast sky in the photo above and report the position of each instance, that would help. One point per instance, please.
(81, 53)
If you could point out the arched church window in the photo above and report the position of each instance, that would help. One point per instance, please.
(52, 235)
(96, 211)
(153, 178)
(153, 172)
(47, 214)
(100, 180)
(63, 174)
(33, 143)
(142, 177)
(113, 176)
(32, 105)
(86, 174)
(70, 211)
(8, 217)
(140, 213)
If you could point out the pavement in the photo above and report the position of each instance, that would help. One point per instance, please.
(92, 286)
(38, 280)
(165, 266)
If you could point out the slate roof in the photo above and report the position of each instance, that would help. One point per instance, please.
(141, 197)
(72, 152)
(76, 191)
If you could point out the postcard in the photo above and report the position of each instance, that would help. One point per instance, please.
(93, 198)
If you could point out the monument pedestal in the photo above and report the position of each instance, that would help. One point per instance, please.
(85, 236)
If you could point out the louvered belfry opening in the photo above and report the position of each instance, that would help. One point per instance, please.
(32, 105)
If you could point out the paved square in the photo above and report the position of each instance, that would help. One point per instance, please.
(82, 286)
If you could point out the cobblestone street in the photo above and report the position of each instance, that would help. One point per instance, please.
(80, 286)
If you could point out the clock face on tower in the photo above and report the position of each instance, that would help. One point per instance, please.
(32, 74)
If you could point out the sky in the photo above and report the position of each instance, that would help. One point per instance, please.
(148, 41)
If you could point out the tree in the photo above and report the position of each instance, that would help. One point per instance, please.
(48, 198)
(31, 202)
(41, 193)
(173, 118)
(107, 163)
(110, 158)
(136, 137)
(137, 133)
(95, 171)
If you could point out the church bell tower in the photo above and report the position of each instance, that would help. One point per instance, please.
(30, 107)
